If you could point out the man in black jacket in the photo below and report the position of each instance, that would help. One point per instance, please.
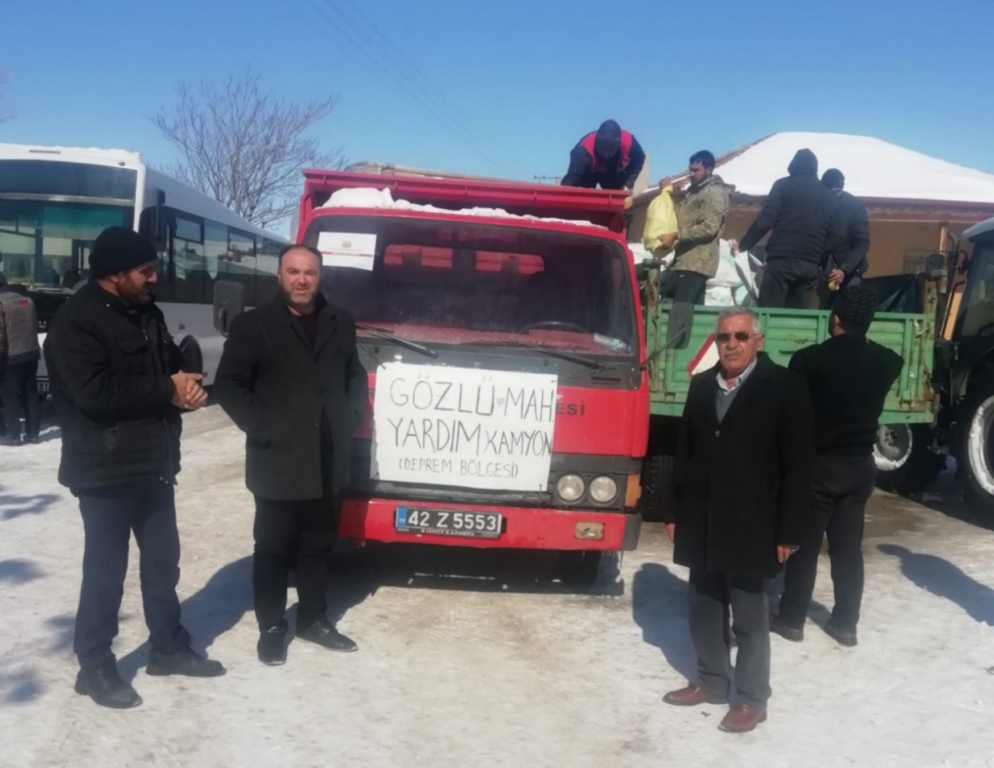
(849, 377)
(743, 478)
(610, 157)
(806, 228)
(848, 262)
(291, 380)
(118, 392)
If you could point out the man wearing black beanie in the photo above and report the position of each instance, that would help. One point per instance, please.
(849, 377)
(118, 392)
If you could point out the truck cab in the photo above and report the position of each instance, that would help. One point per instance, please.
(501, 330)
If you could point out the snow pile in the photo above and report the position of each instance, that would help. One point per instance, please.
(369, 197)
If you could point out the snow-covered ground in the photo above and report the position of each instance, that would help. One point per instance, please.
(501, 667)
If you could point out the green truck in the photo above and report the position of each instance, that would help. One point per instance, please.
(679, 343)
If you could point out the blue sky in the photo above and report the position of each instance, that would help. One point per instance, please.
(507, 87)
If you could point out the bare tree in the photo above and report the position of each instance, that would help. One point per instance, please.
(245, 146)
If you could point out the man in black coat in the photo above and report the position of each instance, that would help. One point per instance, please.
(291, 380)
(848, 262)
(743, 480)
(806, 226)
(849, 377)
(609, 157)
(118, 392)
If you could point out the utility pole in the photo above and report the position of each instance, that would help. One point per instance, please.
(555, 179)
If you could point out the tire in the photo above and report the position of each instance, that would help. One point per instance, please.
(976, 451)
(580, 567)
(904, 459)
(657, 475)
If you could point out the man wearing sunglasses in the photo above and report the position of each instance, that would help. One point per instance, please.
(736, 512)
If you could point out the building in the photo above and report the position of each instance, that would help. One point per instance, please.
(917, 204)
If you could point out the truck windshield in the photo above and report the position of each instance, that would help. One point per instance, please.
(474, 284)
(977, 313)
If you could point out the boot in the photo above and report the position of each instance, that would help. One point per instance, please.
(106, 687)
(186, 663)
(272, 645)
(324, 634)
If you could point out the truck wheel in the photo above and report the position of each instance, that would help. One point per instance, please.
(657, 474)
(580, 567)
(905, 461)
(976, 458)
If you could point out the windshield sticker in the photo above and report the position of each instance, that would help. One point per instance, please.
(463, 427)
(349, 250)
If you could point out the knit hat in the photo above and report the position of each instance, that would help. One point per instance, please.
(855, 305)
(608, 139)
(118, 249)
(833, 179)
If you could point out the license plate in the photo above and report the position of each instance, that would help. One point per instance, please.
(44, 386)
(442, 522)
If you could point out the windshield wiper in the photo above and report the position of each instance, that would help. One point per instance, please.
(551, 351)
(383, 333)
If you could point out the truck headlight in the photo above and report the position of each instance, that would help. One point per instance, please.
(603, 490)
(570, 488)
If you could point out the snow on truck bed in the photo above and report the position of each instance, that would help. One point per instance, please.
(369, 197)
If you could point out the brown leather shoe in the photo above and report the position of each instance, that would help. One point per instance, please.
(742, 719)
(693, 695)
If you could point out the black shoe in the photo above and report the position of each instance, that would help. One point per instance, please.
(186, 663)
(324, 634)
(36, 440)
(106, 687)
(272, 645)
(846, 637)
(11, 442)
(787, 631)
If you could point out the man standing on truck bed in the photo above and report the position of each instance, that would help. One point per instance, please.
(700, 214)
(739, 500)
(290, 378)
(849, 377)
(806, 226)
(118, 392)
(848, 262)
(610, 157)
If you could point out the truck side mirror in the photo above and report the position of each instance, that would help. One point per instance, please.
(192, 356)
(679, 325)
(229, 302)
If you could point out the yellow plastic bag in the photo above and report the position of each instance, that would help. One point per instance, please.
(660, 221)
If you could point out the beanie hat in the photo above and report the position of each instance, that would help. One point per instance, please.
(833, 179)
(855, 305)
(608, 140)
(118, 249)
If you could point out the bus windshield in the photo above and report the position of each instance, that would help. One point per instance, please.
(472, 284)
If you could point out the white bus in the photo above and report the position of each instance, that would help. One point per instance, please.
(54, 201)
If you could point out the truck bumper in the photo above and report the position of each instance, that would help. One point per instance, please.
(524, 528)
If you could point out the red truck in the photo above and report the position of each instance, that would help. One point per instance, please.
(500, 323)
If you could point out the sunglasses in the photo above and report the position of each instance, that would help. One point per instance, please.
(740, 336)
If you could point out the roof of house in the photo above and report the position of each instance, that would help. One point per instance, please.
(874, 169)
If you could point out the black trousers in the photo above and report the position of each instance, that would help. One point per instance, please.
(293, 534)
(681, 285)
(841, 489)
(109, 518)
(711, 597)
(789, 283)
(19, 398)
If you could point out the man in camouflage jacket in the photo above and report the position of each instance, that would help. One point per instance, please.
(700, 213)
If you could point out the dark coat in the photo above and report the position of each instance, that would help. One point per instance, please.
(742, 486)
(275, 387)
(110, 370)
(581, 171)
(804, 215)
(850, 256)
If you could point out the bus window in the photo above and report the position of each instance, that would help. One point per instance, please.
(189, 261)
(240, 263)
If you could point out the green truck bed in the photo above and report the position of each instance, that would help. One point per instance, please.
(911, 336)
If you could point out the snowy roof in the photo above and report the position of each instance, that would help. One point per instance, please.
(873, 169)
(70, 154)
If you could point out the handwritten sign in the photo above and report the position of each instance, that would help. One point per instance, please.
(343, 249)
(463, 427)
